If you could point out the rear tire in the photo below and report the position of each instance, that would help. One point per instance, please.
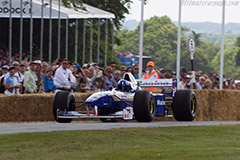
(184, 105)
(63, 101)
(144, 106)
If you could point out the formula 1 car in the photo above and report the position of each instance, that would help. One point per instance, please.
(129, 101)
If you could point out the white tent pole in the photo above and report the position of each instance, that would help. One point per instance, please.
(106, 40)
(66, 40)
(76, 40)
(59, 29)
(222, 46)
(84, 38)
(112, 39)
(21, 33)
(42, 28)
(31, 30)
(141, 40)
(179, 43)
(98, 45)
(10, 32)
(91, 40)
(50, 34)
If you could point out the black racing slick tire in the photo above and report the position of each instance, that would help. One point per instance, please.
(184, 105)
(144, 106)
(63, 101)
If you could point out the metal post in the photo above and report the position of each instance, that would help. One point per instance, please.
(50, 34)
(84, 38)
(98, 43)
(112, 39)
(106, 40)
(59, 29)
(10, 32)
(141, 41)
(66, 45)
(21, 33)
(179, 43)
(222, 46)
(42, 28)
(76, 40)
(91, 39)
(31, 30)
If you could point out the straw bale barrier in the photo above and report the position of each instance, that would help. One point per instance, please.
(213, 105)
(30, 107)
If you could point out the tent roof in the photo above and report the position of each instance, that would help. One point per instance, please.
(91, 12)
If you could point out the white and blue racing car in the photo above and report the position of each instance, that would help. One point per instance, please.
(129, 101)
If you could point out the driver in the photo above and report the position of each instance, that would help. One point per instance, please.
(124, 85)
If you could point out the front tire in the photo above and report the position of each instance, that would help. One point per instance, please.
(184, 105)
(63, 101)
(144, 106)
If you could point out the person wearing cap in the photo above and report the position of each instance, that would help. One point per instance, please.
(85, 66)
(183, 72)
(19, 75)
(48, 82)
(168, 74)
(151, 73)
(96, 71)
(40, 76)
(44, 68)
(200, 83)
(11, 83)
(64, 78)
(4, 70)
(184, 83)
(30, 79)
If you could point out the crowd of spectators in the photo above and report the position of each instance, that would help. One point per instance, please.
(40, 77)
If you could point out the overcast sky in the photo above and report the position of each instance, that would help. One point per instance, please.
(192, 10)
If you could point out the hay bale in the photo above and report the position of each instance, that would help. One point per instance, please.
(29, 107)
(213, 105)
(218, 105)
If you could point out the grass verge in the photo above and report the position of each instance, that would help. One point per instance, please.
(177, 143)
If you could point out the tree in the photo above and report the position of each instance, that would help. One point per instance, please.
(230, 68)
(118, 7)
(160, 42)
(197, 37)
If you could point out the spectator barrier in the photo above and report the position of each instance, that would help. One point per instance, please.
(213, 105)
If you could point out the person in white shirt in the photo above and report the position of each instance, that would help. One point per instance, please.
(63, 78)
(11, 83)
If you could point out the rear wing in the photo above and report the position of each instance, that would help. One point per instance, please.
(168, 87)
(157, 83)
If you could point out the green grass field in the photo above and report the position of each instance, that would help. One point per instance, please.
(177, 143)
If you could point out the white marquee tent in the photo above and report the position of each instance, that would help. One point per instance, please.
(53, 9)
(90, 12)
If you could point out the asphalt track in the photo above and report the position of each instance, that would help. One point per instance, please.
(12, 128)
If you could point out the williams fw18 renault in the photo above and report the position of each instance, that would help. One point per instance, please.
(129, 101)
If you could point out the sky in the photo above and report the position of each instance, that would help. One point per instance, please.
(192, 10)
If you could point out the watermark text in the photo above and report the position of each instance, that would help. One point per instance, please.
(210, 3)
